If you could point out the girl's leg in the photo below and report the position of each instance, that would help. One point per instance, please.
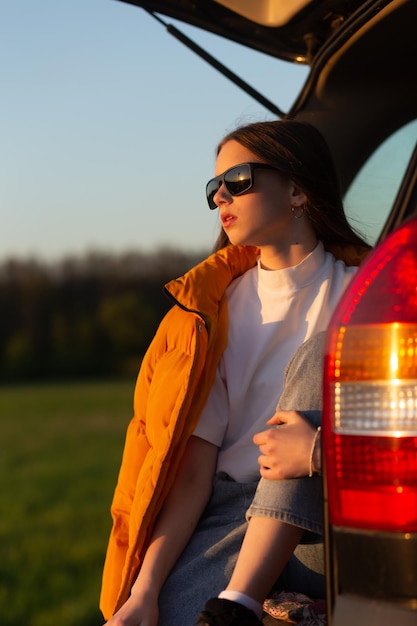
(267, 546)
(266, 549)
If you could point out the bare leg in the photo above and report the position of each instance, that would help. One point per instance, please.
(265, 551)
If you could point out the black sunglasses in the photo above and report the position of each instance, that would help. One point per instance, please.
(237, 180)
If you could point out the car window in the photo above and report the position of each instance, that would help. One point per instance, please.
(369, 198)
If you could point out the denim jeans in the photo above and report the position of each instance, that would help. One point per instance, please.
(207, 562)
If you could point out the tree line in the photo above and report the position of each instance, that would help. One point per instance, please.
(86, 317)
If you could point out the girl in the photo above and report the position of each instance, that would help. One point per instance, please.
(215, 370)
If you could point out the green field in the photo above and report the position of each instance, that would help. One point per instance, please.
(61, 450)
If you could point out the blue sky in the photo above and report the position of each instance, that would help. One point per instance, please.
(109, 125)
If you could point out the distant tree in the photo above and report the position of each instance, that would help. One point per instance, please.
(128, 321)
(19, 359)
(83, 316)
(75, 347)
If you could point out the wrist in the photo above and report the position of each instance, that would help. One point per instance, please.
(144, 587)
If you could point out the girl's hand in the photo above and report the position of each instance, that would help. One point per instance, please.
(139, 610)
(173, 529)
(285, 450)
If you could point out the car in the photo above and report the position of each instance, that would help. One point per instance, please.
(361, 93)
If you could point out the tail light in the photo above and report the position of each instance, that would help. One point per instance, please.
(370, 393)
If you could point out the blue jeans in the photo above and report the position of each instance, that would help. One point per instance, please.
(207, 562)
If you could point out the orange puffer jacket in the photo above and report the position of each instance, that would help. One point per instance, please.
(172, 387)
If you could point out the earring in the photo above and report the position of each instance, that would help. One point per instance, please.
(297, 212)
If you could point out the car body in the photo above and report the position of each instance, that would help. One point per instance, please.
(361, 93)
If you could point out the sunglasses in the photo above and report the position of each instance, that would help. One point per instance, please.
(237, 180)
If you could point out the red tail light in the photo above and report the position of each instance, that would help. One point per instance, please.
(370, 392)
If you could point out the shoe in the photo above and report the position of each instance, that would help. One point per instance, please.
(222, 612)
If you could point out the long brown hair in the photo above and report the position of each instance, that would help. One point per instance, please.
(300, 153)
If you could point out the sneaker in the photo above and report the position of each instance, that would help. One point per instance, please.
(222, 612)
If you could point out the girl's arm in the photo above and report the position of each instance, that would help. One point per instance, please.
(174, 528)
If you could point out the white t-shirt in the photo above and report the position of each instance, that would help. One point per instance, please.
(271, 313)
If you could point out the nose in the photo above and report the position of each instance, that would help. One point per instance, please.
(222, 196)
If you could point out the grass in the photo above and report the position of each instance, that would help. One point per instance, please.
(61, 450)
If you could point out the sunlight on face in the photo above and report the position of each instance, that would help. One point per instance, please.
(262, 217)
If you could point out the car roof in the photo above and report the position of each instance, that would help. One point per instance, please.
(362, 59)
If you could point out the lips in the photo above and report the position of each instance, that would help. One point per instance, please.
(228, 219)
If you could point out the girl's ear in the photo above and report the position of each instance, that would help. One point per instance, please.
(298, 197)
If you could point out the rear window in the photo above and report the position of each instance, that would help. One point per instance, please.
(369, 199)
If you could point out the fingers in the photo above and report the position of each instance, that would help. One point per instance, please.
(277, 418)
(274, 472)
(264, 465)
(285, 417)
(259, 438)
(266, 437)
